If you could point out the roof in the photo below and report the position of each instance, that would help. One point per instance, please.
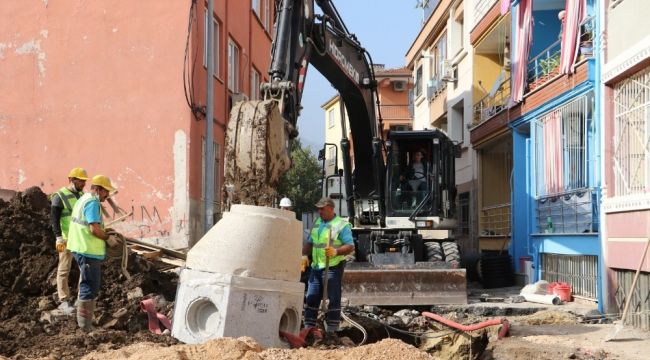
(402, 71)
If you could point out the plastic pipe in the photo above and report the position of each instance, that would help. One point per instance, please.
(542, 299)
(502, 333)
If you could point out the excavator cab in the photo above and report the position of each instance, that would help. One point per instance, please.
(420, 174)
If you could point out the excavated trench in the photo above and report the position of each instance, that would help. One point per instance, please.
(30, 327)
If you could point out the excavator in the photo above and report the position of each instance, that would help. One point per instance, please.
(402, 226)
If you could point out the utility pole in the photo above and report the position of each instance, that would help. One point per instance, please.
(209, 125)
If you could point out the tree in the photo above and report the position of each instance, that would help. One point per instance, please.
(301, 183)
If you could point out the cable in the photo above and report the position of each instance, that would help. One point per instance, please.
(187, 46)
(405, 332)
(358, 326)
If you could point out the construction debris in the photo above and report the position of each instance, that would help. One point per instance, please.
(30, 324)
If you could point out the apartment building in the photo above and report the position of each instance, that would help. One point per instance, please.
(119, 87)
(626, 177)
(537, 127)
(441, 61)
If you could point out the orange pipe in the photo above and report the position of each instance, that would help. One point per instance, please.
(502, 333)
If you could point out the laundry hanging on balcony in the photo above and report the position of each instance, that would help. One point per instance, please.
(524, 35)
(505, 6)
(573, 18)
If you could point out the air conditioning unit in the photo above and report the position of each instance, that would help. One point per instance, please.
(448, 72)
(399, 85)
(237, 97)
(433, 86)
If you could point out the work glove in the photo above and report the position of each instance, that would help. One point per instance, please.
(304, 263)
(330, 251)
(114, 240)
(60, 244)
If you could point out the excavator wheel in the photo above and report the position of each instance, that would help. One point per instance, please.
(451, 251)
(434, 251)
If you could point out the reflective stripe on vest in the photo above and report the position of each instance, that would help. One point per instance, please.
(333, 227)
(80, 239)
(68, 198)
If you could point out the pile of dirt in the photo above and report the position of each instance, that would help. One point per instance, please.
(30, 325)
(248, 349)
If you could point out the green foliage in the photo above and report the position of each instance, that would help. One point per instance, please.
(550, 64)
(301, 183)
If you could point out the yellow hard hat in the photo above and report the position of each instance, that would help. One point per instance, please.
(78, 173)
(103, 181)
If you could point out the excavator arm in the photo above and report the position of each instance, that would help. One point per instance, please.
(259, 131)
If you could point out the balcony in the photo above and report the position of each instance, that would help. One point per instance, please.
(481, 7)
(492, 103)
(495, 220)
(394, 112)
(571, 212)
(544, 67)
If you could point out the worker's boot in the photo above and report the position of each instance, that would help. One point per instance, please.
(85, 310)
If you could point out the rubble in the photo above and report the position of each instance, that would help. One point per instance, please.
(30, 324)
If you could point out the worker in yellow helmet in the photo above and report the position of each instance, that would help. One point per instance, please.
(87, 242)
(62, 203)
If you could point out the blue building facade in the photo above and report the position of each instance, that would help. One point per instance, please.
(556, 132)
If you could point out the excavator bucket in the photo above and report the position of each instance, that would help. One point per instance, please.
(426, 283)
(256, 152)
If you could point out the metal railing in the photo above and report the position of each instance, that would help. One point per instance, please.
(394, 112)
(579, 271)
(546, 65)
(492, 104)
(495, 220)
(481, 7)
(572, 212)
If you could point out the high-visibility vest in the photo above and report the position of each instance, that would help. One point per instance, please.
(333, 227)
(80, 239)
(68, 198)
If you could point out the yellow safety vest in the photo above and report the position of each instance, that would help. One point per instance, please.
(80, 239)
(334, 228)
(68, 198)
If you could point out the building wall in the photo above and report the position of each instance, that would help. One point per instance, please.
(113, 71)
(82, 87)
(333, 134)
(627, 26)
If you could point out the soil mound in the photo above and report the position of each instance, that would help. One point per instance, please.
(248, 349)
(30, 326)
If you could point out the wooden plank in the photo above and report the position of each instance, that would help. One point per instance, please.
(169, 252)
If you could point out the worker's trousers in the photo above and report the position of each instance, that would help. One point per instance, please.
(90, 274)
(315, 295)
(62, 275)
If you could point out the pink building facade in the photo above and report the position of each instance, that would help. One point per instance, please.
(101, 85)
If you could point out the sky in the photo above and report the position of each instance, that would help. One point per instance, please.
(386, 28)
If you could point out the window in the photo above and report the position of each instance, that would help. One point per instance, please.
(266, 15)
(418, 81)
(457, 30)
(331, 119)
(255, 85)
(632, 134)
(233, 66)
(561, 147)
(215, 44)
(457, 122)
(463, 213)
(255, 5)
(332, 155)
(440, 56)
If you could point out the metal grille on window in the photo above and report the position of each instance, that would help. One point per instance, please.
(632, 134)
(580, 271)
(565, 202)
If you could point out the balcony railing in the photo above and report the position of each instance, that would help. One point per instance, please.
(545, 65)
(481, 7)
(492, 103)
(495, 220)
(572, 212)
(394, 112)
